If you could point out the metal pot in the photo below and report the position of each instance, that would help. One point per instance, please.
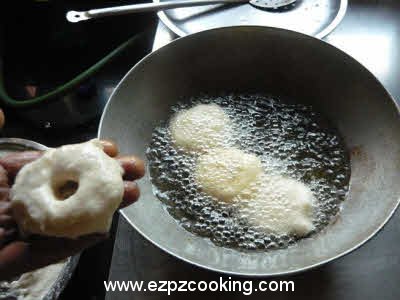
(274, 61)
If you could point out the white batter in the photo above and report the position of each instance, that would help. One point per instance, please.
(70, 191)
(278, 204)
(225, 172)
(201, 128)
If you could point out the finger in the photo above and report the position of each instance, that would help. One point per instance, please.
(7, 221)
(2, 119)
(3, 177)
(109, 147)
(133, 167)
(7, 235)
(20, 257)
(5, 208)
(131, 193)
(13, 260)
(12, 163)
(2, 236)
(4, 194)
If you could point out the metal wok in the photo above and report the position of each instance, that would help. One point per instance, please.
(276, 61)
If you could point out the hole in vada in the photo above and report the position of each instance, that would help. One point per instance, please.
(65, 189)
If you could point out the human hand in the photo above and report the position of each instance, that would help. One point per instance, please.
(19, 255)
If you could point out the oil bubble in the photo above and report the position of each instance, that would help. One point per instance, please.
(291, 139)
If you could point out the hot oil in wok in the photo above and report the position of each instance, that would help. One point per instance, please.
(292, 140)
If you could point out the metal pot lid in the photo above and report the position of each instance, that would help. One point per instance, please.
(313, 17)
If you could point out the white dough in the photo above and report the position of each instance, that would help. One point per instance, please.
(90, 209)
(200, 128)
(278, 204)
(225, 172)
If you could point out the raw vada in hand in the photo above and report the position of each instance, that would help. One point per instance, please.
(20, 254)
(68, 192)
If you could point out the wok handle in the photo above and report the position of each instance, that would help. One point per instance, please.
(77, 16)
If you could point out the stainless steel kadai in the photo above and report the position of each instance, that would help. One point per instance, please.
(280, 62)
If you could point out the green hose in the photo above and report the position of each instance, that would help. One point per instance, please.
(8, 101)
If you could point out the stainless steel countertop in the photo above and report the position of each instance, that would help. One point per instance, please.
(370, 32)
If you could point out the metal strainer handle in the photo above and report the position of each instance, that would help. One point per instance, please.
(76, 16)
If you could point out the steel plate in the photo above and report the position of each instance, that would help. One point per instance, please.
(313, 17)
